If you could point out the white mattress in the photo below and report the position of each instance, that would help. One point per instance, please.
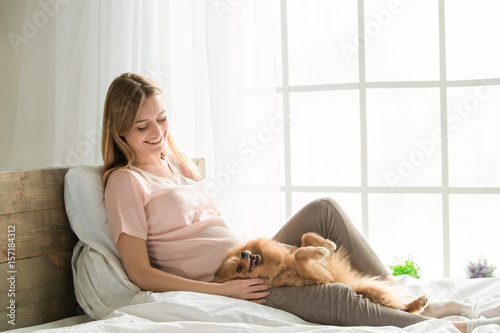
(194, 312)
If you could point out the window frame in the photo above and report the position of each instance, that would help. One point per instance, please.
(445, 190)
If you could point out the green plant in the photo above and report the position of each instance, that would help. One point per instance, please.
(403, 266)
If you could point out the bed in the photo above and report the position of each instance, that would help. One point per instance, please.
(63, 273)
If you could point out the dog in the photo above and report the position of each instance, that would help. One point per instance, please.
(317, 261)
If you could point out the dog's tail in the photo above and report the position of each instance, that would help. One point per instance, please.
(389, 295)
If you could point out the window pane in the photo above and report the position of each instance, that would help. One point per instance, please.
(325, 146)
(317, 31)
(404, 137)
(350, 203)
(474, 136)
(399, 45)
(474, 230)
(408, 224)
(472, 30)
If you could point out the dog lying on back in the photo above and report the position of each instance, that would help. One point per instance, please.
(318, 261)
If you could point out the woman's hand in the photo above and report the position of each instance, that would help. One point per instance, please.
(253, 290)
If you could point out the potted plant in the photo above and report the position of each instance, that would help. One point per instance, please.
(405, 266)
(479, 269)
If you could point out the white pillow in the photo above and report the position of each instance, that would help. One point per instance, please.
(84, 201)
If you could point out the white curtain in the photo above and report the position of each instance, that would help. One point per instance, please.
(214, 61)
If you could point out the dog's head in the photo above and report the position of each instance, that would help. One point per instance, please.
(253, 259)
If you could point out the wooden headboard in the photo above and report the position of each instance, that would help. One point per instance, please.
(37, 244)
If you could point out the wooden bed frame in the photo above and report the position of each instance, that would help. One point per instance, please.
(37, 244)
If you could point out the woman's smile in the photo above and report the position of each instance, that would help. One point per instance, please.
(156, 142)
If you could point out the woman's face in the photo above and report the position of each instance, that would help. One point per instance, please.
(147, 136)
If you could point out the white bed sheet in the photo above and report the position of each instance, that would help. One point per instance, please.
(194, 312)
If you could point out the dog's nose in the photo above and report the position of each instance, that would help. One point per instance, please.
(244, 254)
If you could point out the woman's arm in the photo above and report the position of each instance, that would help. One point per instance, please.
(134, 254)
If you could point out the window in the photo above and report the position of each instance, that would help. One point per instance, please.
(397, 117)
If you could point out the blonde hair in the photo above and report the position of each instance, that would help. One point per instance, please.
(124, 99)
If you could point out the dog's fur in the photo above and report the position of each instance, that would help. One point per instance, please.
(318, 261)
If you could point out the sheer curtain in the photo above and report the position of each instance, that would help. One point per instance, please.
(213, 60)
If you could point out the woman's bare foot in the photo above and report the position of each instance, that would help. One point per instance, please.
(447, 308)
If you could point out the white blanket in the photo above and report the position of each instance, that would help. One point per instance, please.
(193, 312)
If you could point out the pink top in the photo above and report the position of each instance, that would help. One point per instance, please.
(176, 216)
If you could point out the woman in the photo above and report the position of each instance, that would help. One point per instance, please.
(171, 237)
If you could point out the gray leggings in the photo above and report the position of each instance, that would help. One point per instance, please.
(335, 303)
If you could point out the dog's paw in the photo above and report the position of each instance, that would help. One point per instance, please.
(322, 252)
(312, 252)
(331, 246)
(309, 239)
(312, 239)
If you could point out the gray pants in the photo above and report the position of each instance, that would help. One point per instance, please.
(335, 303)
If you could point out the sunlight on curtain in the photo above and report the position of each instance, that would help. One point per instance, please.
(213, 60)
(64, 56)
(246, 119)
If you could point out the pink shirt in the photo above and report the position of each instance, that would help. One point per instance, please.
(176, 216)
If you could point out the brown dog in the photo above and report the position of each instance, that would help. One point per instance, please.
(317, 261)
